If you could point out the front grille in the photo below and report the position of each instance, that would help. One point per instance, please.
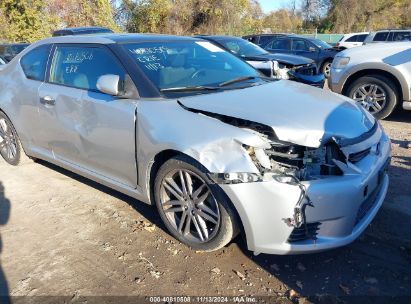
(305, 232)
(356, 157)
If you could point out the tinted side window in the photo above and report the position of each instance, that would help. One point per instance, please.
(80, 67)
(300, 45)
(264, 40)
(381, 36)
(280, 44)
(34, 62)
(252, 39)
(401, 36)
(361, 38)
(352, 38)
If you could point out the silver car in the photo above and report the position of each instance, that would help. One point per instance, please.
(377, 76)
(179, 123)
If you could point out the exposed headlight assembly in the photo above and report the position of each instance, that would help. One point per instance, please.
(340, 62)
(280, 72)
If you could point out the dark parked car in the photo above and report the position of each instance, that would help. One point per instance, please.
(9, 50)
(81, 31)
(262, 39)
(319, 51)
(292, 67)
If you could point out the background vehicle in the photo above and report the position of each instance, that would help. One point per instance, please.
(388, 36)
(262, 39)
(377, 76)
(321, 52)
(292, 67)
(183, 124)
(351, 40)
(9, 50)
(81, 31)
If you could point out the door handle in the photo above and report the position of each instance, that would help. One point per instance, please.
(47, 100)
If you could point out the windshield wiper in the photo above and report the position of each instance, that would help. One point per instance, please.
(189, 89)
(235, 80)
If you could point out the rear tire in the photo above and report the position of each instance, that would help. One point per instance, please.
(207, 225)
(10, 146)
(376, 93)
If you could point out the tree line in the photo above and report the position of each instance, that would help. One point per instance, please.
(30, 20)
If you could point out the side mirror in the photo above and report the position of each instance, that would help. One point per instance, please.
(312, 49)
(109, 84)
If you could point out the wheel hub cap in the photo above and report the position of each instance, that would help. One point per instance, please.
(189, 206)
(8, 143)
(371, 96)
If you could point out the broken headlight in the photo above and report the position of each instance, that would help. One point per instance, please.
(288, 161)
(281, 71)
(234, 178)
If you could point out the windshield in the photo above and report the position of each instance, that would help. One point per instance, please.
(321, 44)
(187, 64)
(243, 48)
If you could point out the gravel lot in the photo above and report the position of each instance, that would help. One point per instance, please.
(64, 235)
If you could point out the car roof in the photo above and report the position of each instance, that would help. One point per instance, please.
(273, 34)
(112, 38)
(353, 34)
(219, 37)
(393, 30)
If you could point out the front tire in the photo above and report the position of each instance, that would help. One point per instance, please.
(10, 145)
(194, 210)
(326, 68)
(377, 94)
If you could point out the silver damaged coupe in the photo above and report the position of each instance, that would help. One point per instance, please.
(220, 149)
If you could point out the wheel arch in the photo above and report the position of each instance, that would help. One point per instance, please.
(373, 72)
(163, 156)
(327, 59)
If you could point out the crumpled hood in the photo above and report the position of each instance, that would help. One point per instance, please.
(282, 58)
(298, 113)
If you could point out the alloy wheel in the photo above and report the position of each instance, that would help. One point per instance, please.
(327, 69)
(371, 96)
(189, 206)
(8, 140)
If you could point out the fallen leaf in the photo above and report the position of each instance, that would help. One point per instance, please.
(240, 275)
(345, 289)
(293, 294)
(155, 274)
(299, 284)
(150, 228)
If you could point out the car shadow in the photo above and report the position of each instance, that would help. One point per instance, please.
(4, 217)
(400, 115)
(146, 210)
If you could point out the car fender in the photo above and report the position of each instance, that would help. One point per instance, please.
(215, 145)
(401, 75)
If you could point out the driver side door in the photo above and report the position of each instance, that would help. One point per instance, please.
(82, 126)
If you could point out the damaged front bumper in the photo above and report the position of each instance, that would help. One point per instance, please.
(334, 211)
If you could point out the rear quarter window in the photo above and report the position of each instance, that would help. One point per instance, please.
(352, 39)
(381, 36)
(34, 63)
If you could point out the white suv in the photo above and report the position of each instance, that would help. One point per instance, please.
(352, 40)
(377, 76)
